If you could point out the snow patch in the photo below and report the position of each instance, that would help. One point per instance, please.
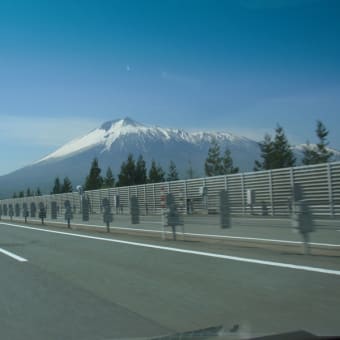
(112, 131)
(95, 137)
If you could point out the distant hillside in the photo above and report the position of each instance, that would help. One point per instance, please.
(114, 140)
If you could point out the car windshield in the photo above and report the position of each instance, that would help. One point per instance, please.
(170, 169)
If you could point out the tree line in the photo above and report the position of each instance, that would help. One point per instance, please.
(276, 153)
(132, 172)
(28, 193)
(58, 188)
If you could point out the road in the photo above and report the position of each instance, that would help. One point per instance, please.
(81, 285)
(327, 230)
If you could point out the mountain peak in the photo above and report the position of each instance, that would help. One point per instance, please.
(130, 121)
(121, 122)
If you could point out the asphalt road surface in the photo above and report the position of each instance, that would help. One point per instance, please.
(326, 230)
(60, 284)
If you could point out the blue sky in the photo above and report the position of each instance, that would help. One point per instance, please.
(241, 66)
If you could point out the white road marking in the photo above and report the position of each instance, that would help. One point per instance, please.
(243, 238)
(187, 251)
(269, 240)
(13, 256)
(227, 236)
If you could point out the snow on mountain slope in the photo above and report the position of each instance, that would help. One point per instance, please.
(218, 135)
(102, 136)
(114, 140)
(128, 135)
(95, 137)
(111, 131)
(300, 148)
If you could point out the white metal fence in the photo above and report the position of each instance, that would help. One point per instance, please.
(273, 194)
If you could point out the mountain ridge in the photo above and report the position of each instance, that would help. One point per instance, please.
(113, 140)
(111, 130)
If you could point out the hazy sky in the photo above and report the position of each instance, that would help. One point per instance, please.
(241, 66)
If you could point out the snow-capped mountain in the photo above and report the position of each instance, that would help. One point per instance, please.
(114, 133)
(114, 140)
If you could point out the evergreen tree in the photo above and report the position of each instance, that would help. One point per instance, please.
(38, 192)
(283, 154)
(21, 194)
(94, 180)
(320, 154)
(172, 172)
(109, 180)
(14, 195)
(140, 175)
(215, 164)
(156, 173)
(275, 153)
(309, 154)
(28, 192)
(212, 165)
(267, 151)
(227, 164)
(57, 186)
(67, 185)
(127, 175)
(323, 153)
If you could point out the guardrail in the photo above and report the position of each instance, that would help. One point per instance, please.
(253, 193)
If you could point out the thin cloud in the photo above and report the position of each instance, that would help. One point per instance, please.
(44, 131)
(180, 79)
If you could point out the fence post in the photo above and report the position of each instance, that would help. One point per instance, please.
(185, 196)
(120, 200)
(330, 190)
(271, 192)
(290, 200)
(145, 202)
(206, 196)
(242, 188)
(154, 198)
(128, 198)
(225, 188)
(291, 173)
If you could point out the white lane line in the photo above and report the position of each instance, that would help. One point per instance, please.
(268, 240)
(243, 238)
(12, 255)
(187, 251)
